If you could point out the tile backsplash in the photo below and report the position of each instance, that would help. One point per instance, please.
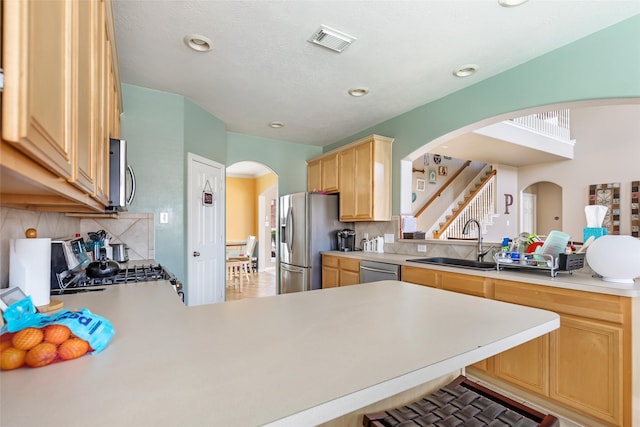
(14, 222)
(134, 229)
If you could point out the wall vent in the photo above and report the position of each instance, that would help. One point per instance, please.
(332, 39)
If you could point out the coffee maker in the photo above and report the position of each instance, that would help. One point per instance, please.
(346, 240)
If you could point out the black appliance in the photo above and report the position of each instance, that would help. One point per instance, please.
(346, 240)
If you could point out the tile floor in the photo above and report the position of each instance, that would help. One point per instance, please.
(262, 284)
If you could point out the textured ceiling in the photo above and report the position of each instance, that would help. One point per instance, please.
(262, 69)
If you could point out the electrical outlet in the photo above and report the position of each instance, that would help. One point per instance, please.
(164, 217)
(388, 238)
(422, 248)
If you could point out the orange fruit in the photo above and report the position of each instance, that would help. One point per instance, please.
(11, 358)
(73, 348)
(56, 334)
(4, 345)
(41, 355)
(27, 338)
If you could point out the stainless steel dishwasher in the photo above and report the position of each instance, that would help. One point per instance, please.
(372, 271)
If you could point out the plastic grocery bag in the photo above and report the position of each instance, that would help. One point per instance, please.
(72, 332)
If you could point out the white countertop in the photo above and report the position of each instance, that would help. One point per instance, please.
(578, 280)
(295, 359)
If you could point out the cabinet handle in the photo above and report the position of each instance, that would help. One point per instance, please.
(196, 253)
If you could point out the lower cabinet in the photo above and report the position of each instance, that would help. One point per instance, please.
(585, 366)
(339, 271)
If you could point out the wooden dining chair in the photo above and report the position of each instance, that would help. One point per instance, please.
(240, 265)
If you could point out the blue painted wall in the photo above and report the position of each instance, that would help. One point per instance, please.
(603, 65)
(161, 127)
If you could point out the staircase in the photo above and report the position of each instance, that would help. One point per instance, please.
(477, 202)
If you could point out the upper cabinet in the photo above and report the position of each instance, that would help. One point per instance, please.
(60, 104)
(322, 174)
(361, 173)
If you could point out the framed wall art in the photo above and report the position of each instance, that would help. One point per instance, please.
(607, 195)
(635, 208)
(432, 176)
(442, 170)
(420, 184)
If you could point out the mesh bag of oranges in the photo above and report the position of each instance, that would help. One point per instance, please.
(33, 339)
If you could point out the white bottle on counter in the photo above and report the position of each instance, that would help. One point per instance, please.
(108, 249)
(380, 244)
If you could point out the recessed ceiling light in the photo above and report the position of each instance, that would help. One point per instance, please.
(511, 3)
(198, 42)
(276, 125)
(466, 70)
(358, 91)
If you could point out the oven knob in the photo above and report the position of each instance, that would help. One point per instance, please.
(196, 253)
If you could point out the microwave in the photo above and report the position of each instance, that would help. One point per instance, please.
(122, 180)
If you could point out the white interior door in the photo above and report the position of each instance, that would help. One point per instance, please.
(205, 245)
(528, 218)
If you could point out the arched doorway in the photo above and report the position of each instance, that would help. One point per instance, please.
(251, 210)
(541, 208)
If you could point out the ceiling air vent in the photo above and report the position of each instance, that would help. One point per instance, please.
(332, 39)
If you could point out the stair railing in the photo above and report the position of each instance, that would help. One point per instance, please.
(480, 205)
(442, 189)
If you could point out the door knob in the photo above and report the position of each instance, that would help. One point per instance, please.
(196, 253)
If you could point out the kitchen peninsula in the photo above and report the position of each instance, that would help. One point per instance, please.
(294, 359)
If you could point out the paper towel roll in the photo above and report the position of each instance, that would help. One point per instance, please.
(30, 268)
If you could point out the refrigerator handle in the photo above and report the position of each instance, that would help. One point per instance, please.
(290, 220)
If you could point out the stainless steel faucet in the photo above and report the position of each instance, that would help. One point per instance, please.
(465, 230)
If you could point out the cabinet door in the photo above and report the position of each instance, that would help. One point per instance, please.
(102, 135)
(314, 175)
(363, 181)
(586, 367)
(330, 272)
(38, 81)
(86, 108)
(346, 160)
(349, 271)
(329, 173)
(420, 276)
(526, 365)
(330, 277)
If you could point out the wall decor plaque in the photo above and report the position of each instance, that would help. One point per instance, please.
(607, 195)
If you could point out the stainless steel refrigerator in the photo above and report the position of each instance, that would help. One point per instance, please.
(308, 225)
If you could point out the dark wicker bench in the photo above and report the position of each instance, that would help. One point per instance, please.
(462, 403)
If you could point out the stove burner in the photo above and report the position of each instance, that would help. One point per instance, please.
(141, 273)
(137, 274)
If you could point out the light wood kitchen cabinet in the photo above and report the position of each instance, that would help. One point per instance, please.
(38, 81)
(361, 173)
(54, 141)
(365, 180)
(339, 271)
(421, 276)
(322, 174)
(587, 356)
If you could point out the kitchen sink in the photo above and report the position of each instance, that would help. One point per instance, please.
(456, 262)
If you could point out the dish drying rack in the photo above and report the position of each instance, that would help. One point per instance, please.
(541, 262)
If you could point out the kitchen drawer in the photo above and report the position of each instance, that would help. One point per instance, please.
(350, 264)
(610, 308)
(420, 276)
(330, 261)
(467, 284)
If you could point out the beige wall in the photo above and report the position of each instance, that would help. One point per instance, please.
(607, 150)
